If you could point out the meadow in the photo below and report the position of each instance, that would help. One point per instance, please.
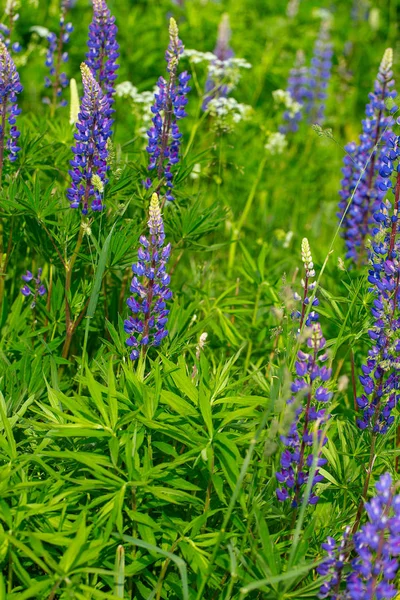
(199, 299)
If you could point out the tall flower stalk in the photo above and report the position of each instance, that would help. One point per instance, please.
(362, 163)
(103, 48)
(56, 56)
(318, 77)
(216, 87)
(297, 88)
(89, 165)
(149, 287)
(164, 137)
(10, 87)
(381, 371)
(6, 31)
(297, 459)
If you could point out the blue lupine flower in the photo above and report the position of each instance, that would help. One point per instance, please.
(298, 90)
(333, 565)
(56, 55)
(35, 289)
(380, 378)
(312, 375)
(308, 286)
(169, 106)
(377, 550)
(89, 165)
(363, 163)
(149, 286)
(103, 48)
(216, 87)
(6, 32)
(10, 86)
(318, 77)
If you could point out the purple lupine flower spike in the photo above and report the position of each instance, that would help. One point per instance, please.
(169, 106)
(89, 165)
(56, 56)
(223, 52)
(312, 375)
(103, 48)
(297, 88)
(318, 79)
(380, 378)
(362, 164)
(10, 86)
(6, 32)
(35, 289)
(377, 551)
(149, 286)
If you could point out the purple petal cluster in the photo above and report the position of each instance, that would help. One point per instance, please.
(380, 377)
(297, 458)
(362, 163)
(103, 48)
(35, 289)
(149, 287)
(10, 87)
(318, 77)
(164, 137)
(377, 551)
(223, 52)
(56, 55)
(333, 565)
(6, 32)
(89, 165)
(297, 88)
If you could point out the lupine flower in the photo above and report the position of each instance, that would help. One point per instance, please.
(56, 55)
(308, 286)
(89, 165)
(10, 86)
(35, 289)
(318, 77)
(377, 550)
(7, 31)
(312, 375)
(360, 184)
(298, 92)
(103, 48)
(222, 52)
(169, 106)
(380, 378)
(333, 565)
(149, 286)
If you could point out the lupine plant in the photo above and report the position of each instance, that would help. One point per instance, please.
(215, 85)
(33, 286)
(297, 459)
(6, 31)
(103, 48)
(164, 137)
(318, 77)
(298, 91)
(10, 87)
(56, 55)
(361, 193)
(89, 165)
(149, 287)
(376, 551)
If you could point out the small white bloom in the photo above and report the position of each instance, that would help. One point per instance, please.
(195, 174)
(41, 31)
(276, 143)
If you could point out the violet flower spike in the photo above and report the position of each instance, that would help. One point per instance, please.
(103, 48)
(56, 55)
(223, 52)
(149, 286)
(297, 88)
(35, 289)
(6, 31)
(380, 378)
(362, 163)
(164, 137)
(376, 548)
(10, 87)
(89, 165)
(318, 77)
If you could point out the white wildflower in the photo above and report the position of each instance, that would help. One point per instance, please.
(276, 143)
(227, 112)
(285, 98)
(42, 32)
(196, 57)
(195, 174)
